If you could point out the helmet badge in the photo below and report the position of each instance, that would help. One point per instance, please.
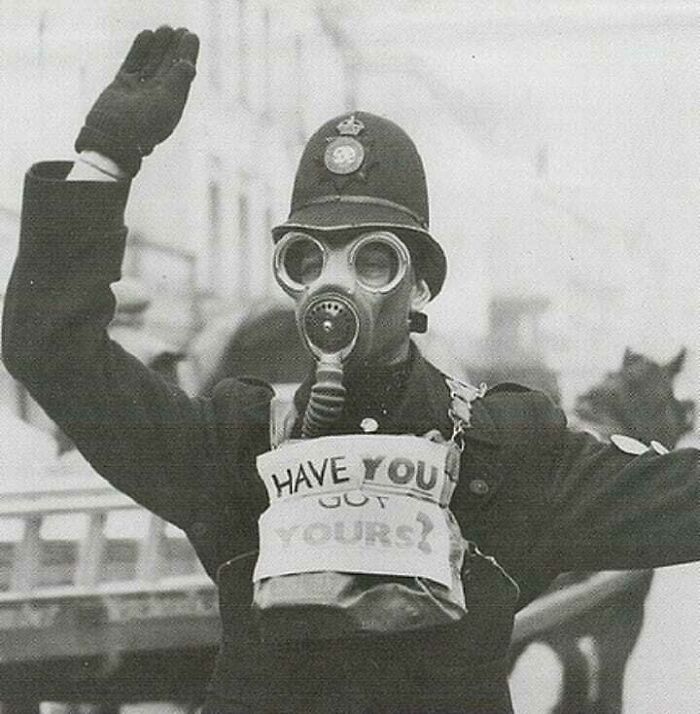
(344, 153)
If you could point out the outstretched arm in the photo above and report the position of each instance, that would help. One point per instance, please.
(623, 505)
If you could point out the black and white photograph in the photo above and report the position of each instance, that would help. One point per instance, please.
(350, 357)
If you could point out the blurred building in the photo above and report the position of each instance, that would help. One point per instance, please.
(562, 165)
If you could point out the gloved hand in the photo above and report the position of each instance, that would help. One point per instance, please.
(144, 103)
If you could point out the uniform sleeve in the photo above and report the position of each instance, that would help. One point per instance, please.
(143, 434)
(614, 510)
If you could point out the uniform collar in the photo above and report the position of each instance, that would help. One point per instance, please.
(424, 405)
(425, 402)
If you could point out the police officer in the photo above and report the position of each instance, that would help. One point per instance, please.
(533, 498)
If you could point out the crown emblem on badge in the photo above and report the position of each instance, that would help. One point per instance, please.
(350, 126)
(344, 153)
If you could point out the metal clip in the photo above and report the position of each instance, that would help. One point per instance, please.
(461, 396)
(457, 430)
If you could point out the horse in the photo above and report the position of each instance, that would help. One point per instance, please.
(638, 401)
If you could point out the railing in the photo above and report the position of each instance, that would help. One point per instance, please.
(27, 517)
(80, 588)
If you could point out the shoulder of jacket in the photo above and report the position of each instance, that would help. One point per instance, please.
(245, 398)
(510, 387)
(538, 406)
(513, 414)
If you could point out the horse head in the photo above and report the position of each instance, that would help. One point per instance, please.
(638, 400)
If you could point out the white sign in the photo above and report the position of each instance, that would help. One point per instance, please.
(356, 503)
(355, 532)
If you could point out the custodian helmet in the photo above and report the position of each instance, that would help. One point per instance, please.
(360, 170)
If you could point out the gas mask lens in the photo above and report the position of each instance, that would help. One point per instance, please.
(378, 260)
(299, 261)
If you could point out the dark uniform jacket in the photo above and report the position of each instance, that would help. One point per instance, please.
(538, 497)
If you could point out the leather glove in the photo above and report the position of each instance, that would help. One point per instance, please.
(144, 103)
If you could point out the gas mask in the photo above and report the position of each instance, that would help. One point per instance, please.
(351, 298)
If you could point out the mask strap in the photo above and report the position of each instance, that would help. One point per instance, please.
(418, 322)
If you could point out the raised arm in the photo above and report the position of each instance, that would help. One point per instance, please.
(143, 434)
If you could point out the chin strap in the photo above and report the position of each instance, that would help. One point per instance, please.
(326, 400)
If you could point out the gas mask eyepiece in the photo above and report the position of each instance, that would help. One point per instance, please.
(377, 260)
